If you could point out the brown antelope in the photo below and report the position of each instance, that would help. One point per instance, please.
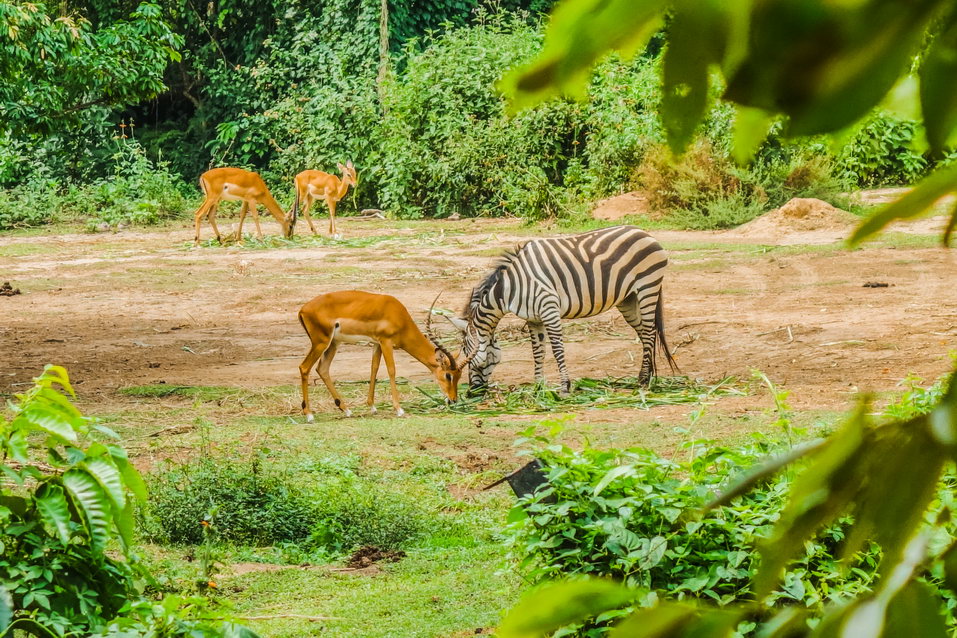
(353, 316)
(237, 184)
(313, 185)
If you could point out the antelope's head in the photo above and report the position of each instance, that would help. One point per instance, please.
(349, 175)
(448, 372)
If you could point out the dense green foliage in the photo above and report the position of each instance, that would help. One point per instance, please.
(282, 88)
(646, 522)
(632, 515)
(252, 504)
(67, 565)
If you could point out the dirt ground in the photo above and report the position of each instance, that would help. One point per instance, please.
(145, 307)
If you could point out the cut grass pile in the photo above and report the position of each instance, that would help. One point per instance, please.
(610, 392)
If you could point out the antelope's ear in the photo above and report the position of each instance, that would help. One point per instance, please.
(460, 324)
(349, 164)
(342, 168)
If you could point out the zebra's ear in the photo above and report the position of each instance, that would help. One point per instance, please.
(460, 324)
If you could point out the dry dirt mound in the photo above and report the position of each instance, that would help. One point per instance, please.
(804, 219)
(633, 203)
(368, 554)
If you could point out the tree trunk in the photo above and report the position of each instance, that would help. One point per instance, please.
(383, 51)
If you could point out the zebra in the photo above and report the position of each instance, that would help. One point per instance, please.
(546, 280)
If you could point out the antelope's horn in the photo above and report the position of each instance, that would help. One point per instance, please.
(433, 338)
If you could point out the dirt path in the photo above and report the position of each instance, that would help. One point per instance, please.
(142, 307)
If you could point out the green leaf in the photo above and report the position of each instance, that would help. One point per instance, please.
(54, 510)
(579, 33)
(40, 417)
(611, 475)
(548, 608)
(938, 91)
(751, 127)
(109, 477)
(91, 499)
(131, 477)
(6, 609)
(665, 619)
(685, 73)
(912, 204)
(915, 611)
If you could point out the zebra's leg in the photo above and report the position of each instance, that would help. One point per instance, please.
(537, 332)
(553, 327)
(640, 315)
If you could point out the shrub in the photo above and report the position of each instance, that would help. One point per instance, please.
(248, 503)
(632, 515)
(882, 152)
(352, 514)
(244, 503)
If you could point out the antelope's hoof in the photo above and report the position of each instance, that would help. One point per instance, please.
(337, 236)
(373, 409)
(310, 418)
(400, 412)
(347, 412)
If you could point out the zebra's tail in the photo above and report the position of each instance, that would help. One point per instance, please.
(660, 329)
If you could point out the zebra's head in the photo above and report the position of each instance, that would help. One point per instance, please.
(482, 353)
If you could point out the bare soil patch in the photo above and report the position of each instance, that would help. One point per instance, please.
(614, 208)
(154, 311)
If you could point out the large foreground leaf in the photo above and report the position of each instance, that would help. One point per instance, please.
(553, 606)
(91, 499)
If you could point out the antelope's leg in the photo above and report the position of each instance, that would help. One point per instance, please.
(387, 354)
(201, 212)
(332, 218)
(254, 209)
(324, 362)
(376, 358)
(212, 219)
(242, 216)
(318, 347)
(308, 199)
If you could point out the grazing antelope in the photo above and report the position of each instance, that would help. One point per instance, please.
(313, 185)
(237, 184)
(547, 280)
(353, 316)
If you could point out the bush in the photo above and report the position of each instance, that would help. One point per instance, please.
(352, 514)
(882, 152)
(632, 515)
(701, 189)
(247, 503)
(243, 502)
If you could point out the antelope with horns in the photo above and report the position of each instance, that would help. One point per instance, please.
(354, 316)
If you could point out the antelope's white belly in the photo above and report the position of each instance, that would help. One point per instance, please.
(342, 337)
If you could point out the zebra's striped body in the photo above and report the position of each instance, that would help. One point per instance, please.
(547, 280)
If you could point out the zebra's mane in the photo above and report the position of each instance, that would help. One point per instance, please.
(506, 260)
